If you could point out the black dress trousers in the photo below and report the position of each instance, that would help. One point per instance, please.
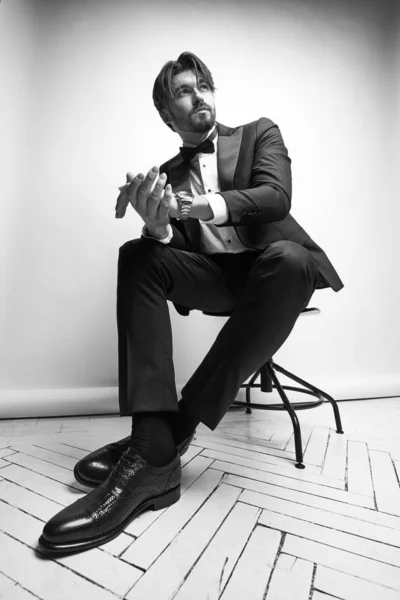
(266, 290)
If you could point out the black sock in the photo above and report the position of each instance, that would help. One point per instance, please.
(152, 437)
(183, 424)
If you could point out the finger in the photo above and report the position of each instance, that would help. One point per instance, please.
(145, 190)
(149, 181)
(128, 195)
(129, 178)
(121, 204)
(164, 205)
(158, 190)
(154, 200)
(123, 200)
(134, 187)
(135, 184)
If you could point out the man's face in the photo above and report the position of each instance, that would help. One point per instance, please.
(192, 107)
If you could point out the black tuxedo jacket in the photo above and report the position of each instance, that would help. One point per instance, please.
(255, 180)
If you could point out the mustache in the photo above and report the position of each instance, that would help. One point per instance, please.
(201, 107)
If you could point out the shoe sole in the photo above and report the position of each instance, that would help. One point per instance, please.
(157, 503)
(182, 449)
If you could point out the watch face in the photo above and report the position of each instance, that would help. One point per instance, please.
(184, 195)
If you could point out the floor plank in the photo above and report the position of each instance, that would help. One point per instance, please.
(46, 579)
(11, 590)
(175, 563)
(250, 577)
(251, 451)
(341, 560)
(27, 501)
(331, 537)
(63, 449)
(293, 484)
(349, 587)
(318, 516)
(335, 458)
(341, 508)
(254, 463)
(292, 578)
(41, 485)
(387, 490)
(47, 456)
(359, 470)
(216, 564)
(316, 448)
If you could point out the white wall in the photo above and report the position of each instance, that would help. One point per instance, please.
(77, 114)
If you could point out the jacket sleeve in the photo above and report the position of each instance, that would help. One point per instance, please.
(268, 197)
(179, 239)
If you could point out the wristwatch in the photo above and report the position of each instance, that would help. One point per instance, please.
(185, 201)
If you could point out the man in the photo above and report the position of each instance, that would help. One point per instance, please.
(217, 237)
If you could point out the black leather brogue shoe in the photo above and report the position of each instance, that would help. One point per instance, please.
(132, 487)
(94, 468)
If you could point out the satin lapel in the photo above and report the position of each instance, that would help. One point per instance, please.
(229, 141)
(179, 178)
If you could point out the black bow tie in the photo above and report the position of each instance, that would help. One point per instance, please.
(206, 147)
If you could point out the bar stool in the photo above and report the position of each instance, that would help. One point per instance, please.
(269, 381)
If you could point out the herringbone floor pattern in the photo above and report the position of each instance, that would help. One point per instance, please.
(249, 526)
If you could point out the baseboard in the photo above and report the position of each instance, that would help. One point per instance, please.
(27, 403)
(17, 404)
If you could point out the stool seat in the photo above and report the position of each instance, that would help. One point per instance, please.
(305, 312)
(269, 381)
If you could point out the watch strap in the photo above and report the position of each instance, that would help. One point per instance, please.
(185, 202)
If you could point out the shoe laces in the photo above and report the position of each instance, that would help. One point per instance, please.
(124, 464)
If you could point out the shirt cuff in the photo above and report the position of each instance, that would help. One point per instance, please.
(219, 208)
(165, 240)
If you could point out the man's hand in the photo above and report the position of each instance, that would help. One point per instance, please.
(151, 198)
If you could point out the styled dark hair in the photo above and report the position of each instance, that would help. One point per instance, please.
(162, 90)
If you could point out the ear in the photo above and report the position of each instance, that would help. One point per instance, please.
(167, 118)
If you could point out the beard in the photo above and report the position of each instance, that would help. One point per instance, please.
(197, 121)
(200, 121)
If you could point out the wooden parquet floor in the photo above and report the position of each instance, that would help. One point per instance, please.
(249, 526)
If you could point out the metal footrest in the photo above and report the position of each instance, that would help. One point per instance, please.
(270, 381)
(296, 405)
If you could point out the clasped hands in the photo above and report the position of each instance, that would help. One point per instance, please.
(151, 197)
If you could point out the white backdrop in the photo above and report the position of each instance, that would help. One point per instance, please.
(76, 114)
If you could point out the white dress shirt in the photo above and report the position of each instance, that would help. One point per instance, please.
(204, 182)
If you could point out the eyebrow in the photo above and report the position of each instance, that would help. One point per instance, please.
(185, 85)
(179, 88)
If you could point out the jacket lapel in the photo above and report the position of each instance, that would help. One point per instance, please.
(178, 175)
(229, 141)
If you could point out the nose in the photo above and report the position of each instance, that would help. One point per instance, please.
(197, 95)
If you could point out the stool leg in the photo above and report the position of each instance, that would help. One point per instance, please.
(248, 401)
(307, 385)
(265, 379)
(248, 390)
(293, 416)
